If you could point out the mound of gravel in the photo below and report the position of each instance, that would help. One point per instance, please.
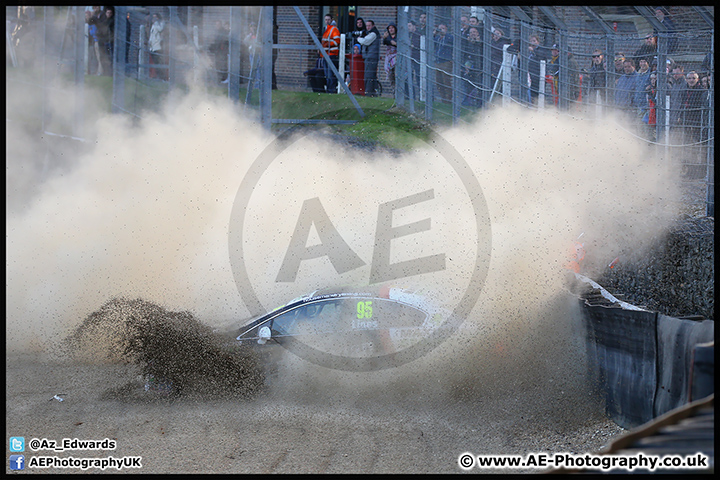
(675, 277)
(171, 347)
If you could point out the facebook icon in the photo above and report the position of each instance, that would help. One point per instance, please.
(17, 462)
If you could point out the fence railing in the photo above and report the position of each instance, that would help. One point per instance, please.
(447, 77)
(442, 78)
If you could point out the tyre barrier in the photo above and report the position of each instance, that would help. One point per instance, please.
(644, 363)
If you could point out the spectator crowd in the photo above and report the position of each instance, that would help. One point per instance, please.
(629, 84)
(101, 38)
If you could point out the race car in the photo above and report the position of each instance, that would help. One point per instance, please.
(343, 323)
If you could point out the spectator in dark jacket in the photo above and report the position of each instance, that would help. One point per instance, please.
(618, 70)
(496, 51)
(316, 76)
(220, 48)
(472, 66)
(536, 54)
(94, 59)
(642, 81)
(676, 88)
(370, 41)
(694, 103)
(647, 50)
(596, 77)
(706, 70)
(359, 28)
(663, 16)
(573, 87)
(106, 36)
(422, 25)
(444, 61)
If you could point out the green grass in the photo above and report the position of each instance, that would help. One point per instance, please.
(383, 123)
(392, 128)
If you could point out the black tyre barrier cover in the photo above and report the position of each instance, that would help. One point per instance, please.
(703, 371)
(642, 361)
(677, 340)
(622, 355)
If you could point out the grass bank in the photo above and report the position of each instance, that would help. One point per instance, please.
(381, 122)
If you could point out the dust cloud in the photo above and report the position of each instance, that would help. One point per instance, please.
(143, 211)
(549, 179)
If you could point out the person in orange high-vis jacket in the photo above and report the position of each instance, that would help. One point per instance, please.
(331, 43)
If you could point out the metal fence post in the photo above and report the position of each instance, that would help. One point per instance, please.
(403, 71)
(196, 55)
(341, 63)
(523, 63)
(234, 67)
(486, 73)
(541, 85)
(423, 80)
(143, 54)
(266, 64)
(85, 35)
(710, 147)
(79, 72)
(172, 46)
(458, 83)
(430, 49)
(118, 60)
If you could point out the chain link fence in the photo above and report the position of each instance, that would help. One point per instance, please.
(456, 61)
(452, 62)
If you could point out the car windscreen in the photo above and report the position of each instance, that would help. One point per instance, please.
(347, 314)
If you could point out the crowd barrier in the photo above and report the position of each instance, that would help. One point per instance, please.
(646, 363)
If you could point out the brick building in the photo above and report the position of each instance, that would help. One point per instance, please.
(291, 63)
